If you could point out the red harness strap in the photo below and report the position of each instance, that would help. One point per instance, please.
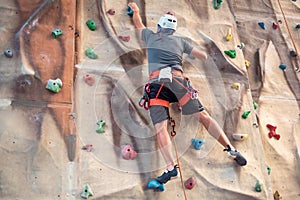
(161, 102)
(158, 102)
(184, 99)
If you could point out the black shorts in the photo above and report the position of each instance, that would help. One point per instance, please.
(171, 92)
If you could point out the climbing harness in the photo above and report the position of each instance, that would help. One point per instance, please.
(173, 134)
(191, 93)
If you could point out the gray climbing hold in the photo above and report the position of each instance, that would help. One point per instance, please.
(87, 192)
(8, 53)
(293, 53)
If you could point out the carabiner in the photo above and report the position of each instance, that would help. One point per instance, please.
(141, 103)
(146, 105)
(193, 93)
(173, 133)
(147, 88)
(172, 124)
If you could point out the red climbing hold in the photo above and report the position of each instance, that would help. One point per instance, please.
(272, 132)
(275, 26)
(271, 127)
(277, 136)
(128, 152)
(89, 79)
(111, 11)
(170, 13)
(125, 38)
(190, 183)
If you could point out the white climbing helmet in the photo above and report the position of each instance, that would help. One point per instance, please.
(168, 21)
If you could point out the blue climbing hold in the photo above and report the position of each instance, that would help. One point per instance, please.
(262, 25)
(129, 11)
(282, 66)
(297, 26)
(198, 143)
(154, 184)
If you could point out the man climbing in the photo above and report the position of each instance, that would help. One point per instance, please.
(168, 84)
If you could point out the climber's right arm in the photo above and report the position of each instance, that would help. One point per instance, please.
(137, 20)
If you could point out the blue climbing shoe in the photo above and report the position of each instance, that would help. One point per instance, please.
(237, 156)
(154, 184)
(167, 175)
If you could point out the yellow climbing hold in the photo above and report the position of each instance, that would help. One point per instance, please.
(239, 136)
(247, 63)
(276, 195)
(235, 86)
(229, 35)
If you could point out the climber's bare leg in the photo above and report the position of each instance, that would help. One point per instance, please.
(164, 143)
(212, 127)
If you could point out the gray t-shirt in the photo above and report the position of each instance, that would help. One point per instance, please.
(164, 50)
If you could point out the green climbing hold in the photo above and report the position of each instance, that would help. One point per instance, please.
(91, 24)
(101, 124)
(56, 33)
(255, 105)
(91, 54)
(269, 169)
(54, 85)
(217, 4)
(230, 53)
(258, 186)
(246, 114)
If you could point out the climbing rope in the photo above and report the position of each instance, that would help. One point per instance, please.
(173, 134)
(289, 30)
